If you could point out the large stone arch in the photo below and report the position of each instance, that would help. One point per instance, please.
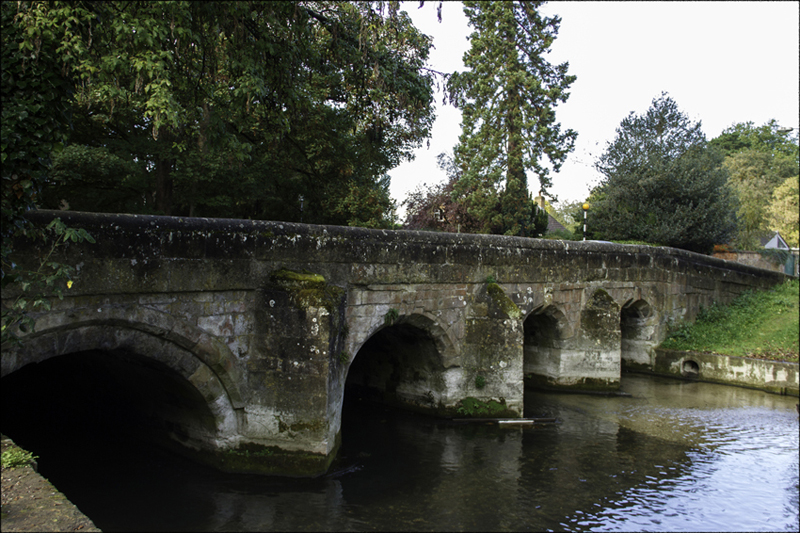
(420, 353)
(204, 361)
(424, 321)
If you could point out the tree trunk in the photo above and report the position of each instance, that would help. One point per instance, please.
(164, 185)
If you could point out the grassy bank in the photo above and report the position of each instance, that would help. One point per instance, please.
(763, 325)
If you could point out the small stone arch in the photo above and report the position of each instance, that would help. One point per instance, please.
(637, 329)
(200, 358)
(544, 331)
(554, 316)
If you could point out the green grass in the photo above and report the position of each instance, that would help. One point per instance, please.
(762, 325)
(16, 457)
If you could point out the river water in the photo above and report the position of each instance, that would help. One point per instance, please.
(674, 456)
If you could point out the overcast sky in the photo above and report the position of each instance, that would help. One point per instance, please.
(722, 62)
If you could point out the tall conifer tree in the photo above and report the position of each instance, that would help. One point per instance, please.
(508, 98)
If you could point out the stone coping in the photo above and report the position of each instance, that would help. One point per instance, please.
(268, 230)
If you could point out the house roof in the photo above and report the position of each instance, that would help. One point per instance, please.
(553, 224)
(773, 240)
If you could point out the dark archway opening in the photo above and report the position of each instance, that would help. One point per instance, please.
(541, 348)
(394, 382)
(105, 426)
(399, 365)
(636, 333)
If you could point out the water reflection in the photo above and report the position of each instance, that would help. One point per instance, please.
(673, 456)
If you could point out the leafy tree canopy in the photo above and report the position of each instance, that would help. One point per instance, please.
(768, 138)
(759, 159)
(508, 98)
(784, 211)
(662, 183)
(234, 109)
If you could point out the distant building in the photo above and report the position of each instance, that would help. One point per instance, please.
(775, 240)
(552, 223)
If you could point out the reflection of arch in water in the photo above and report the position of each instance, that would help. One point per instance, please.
(184, 354)
(637, 328)
(545, 329)
(405, 363)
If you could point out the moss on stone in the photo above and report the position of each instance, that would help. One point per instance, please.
(308, 289)
(471, 407)
(266, 460)
(503, 302)
(289, 276)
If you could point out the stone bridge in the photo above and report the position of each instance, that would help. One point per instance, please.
(236, 338)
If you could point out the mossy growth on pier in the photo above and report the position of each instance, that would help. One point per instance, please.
(308, 289)
(502, 301)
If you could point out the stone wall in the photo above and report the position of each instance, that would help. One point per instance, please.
(753, 259)
(779, 377)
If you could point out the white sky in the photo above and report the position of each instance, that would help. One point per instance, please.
(722, 62)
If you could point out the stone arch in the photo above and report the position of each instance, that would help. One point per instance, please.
(405, 361)
(423, 321)
(637, 328)
(544, 331)
(204, 361)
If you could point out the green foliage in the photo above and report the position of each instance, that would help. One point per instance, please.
(480, 382)
(391, 317)
(784, 211)
(662, 183)
(35, 100)
(508, 98)
(16, 457)
(236, 109)
(764, 325)
(568, 214)
(759, 161)
(754, 176)
(470, 406)
(38, 287)
(768, 138)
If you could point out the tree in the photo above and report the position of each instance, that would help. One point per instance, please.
(662, 183)
(768, 138)
(237, 109)
(784, 211)
(508, 98)
(34, 125)
(754, 176)
(759, 159)
(433, 208)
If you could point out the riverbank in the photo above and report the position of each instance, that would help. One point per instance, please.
(32, 503)
(756, 325)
